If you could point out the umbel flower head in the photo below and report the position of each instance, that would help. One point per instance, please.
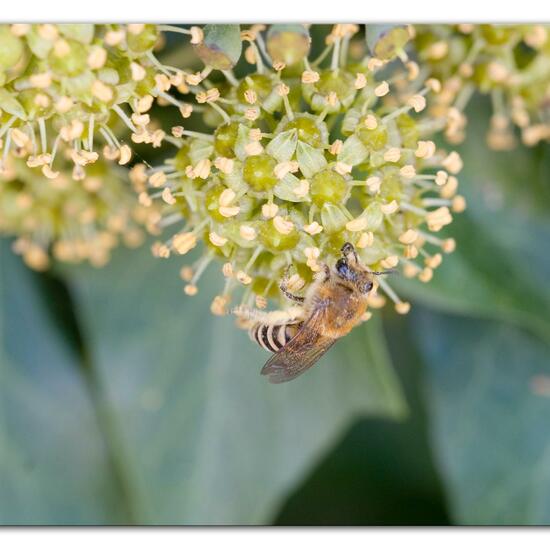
(304, 158)
(65, 92)
(70, 83)
(73, 220)
(510, 63)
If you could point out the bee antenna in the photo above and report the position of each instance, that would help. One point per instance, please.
(387, 272)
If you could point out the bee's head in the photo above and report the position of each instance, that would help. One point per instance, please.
(350, 269)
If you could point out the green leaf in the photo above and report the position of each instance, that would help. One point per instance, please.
(488, 390)
(501, 268)
(54, 466)
(208, 439)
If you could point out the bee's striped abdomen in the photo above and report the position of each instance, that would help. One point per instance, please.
(272, 337)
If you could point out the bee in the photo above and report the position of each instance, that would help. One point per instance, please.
(332, 306)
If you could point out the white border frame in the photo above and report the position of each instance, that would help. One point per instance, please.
(245, 11)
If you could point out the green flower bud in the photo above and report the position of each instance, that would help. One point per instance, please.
(288, 43)
(142, 41)
(258, 172)
(212, 202)
(328, 186)
(261, 84)
(497, 34)
(310, 130)
(225, 137)
(408, 129)
(338, 85)
(71, 62)
(275, 241)
(386, 41)
(31, 107)
(221, 47)
(374, 139)
(182, 158)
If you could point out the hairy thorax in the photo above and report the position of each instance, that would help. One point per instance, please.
(344, 308)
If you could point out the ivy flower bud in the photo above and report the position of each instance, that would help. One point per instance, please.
(387, 41)
(219, 46)
(288, 43)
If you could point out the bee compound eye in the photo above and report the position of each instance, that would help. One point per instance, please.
(368, 286)
(342, 266)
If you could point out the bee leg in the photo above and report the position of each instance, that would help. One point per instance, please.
(289, 295)
(269, 317)
(323, 274)
(248, 314)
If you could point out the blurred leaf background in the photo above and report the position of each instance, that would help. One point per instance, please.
(123, 401)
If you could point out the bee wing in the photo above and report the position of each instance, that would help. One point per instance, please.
(300, 353)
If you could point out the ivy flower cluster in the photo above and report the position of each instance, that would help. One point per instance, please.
(67, 84)
(306, 155)
(73, 220)
(509, 63)
(69, 95)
